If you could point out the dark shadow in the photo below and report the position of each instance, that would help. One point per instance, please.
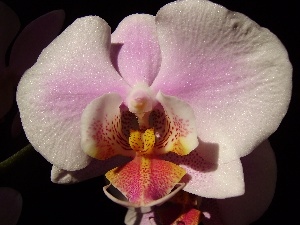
(211, 149)
(114, 52)
(195, 160)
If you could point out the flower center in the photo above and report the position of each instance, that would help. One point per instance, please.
(141, 101)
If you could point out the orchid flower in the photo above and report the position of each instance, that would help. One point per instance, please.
(24, 51)
(165, 103)
(10, 205)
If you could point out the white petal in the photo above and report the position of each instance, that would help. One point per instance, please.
(72, 71)
(235, 74)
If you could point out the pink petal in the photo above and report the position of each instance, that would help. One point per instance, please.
(101, 128)
(180, 134)
(72, 71)
(260, 182)
(9, 26)
(33, 39)
(94, 169)
(10, 206)
(136, 51)
(235, 75)
(207, 179)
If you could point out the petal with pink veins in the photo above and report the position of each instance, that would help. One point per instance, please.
(101, 128)
(235, 74)
(32, 40)
(135, 49)
(180, 132)
(72, 71)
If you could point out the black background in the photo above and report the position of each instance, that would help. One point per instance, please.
(83, 204)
